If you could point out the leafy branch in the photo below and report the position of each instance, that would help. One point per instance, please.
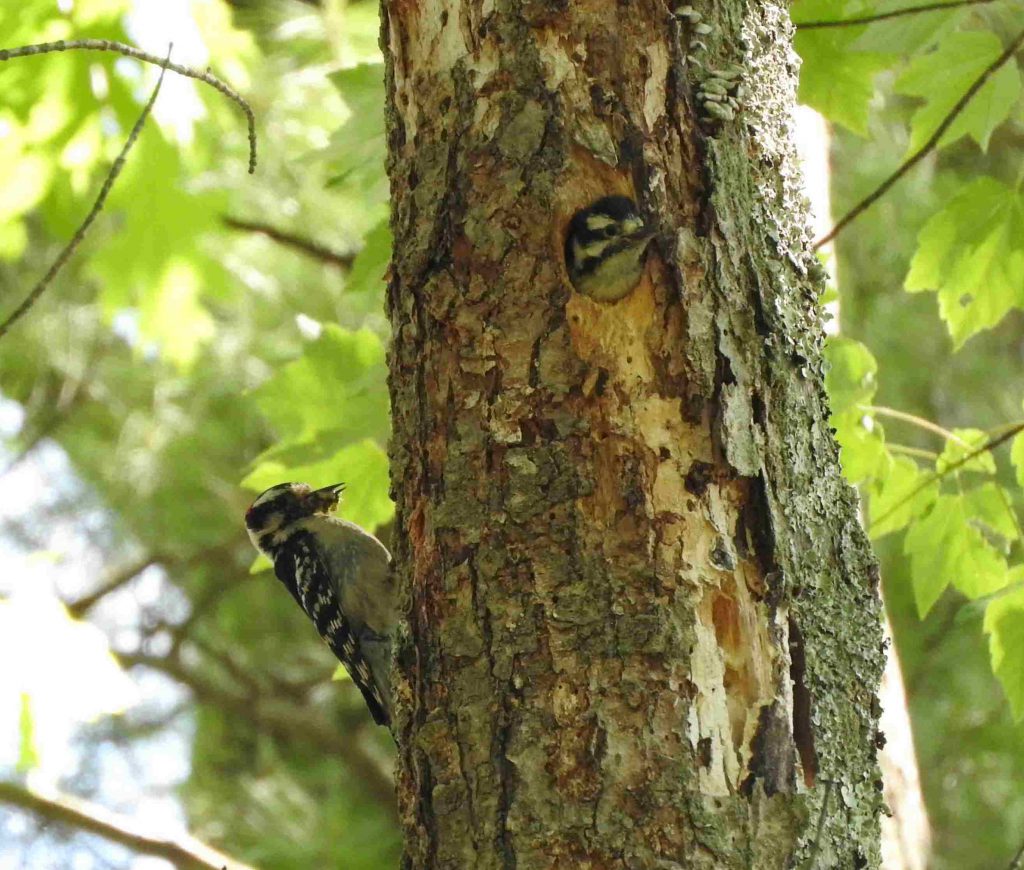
(987, 447)
(130, 51)
(928, 146)
(115, 170)
(97, 206)
(185, 851)
(882, 16)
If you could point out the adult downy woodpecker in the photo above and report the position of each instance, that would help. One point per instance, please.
(339, 574)
(605, 248)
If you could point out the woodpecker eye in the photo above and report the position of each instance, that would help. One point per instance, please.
(611, 231)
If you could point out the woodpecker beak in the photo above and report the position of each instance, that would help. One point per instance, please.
(327, 498)
(643, 234)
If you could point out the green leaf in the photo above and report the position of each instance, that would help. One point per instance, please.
(371, 265)
(851, 385)
(972, 253)
(990, 508)
(13, 240)
(907, 34)
(339, 384)
(944, 547)
(143, 266)
(355, 154)
(24, 179)
(836, 79)
(942, 76)
(172, 314)
(851, 376)
(341, 674)
(863, 453)
(895, 500)
(1004, 624)
(965, 443)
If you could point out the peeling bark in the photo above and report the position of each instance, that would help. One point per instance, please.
(643, 621)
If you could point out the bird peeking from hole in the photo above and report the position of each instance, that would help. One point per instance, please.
(606, 247)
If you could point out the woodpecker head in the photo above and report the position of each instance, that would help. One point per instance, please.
(605, 248)
(276, 509)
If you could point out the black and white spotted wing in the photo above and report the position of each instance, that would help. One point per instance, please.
(299, 567)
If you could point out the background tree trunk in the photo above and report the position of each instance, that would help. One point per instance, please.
(643, 618)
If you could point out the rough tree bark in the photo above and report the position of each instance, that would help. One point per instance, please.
(643, 622)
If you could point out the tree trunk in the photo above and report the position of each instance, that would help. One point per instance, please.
(643, 620)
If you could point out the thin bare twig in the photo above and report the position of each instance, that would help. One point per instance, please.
(185, 851)
(298, 243)
(130, 51)
(920, 422)
(928, 146)
(97, 206)
(882, 16)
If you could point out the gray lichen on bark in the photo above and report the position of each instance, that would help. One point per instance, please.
(642, 617)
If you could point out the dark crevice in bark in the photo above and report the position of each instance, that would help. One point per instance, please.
(803, 730)
(499, 749)
(461, 741)
(771, 760)
(761, 326)
(698, 477)
(425, 805)
(506, 777)
(757, 521)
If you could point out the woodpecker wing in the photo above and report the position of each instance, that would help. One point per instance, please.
(300, 567)
(360, 566)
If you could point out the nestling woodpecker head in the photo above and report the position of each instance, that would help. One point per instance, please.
(605, 248)
(276, 509)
